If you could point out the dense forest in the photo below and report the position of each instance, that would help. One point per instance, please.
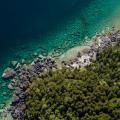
(89, 93)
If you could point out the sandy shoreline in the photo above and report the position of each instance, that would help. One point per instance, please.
(72, 53)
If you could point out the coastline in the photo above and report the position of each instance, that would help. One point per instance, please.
(72, 53)
(70, 59)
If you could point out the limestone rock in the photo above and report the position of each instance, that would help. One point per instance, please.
(8, 73)
(14, 63)
(10, 87)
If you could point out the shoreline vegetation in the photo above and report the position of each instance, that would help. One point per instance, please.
(24, 74)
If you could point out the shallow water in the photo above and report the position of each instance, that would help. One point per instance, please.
(35, 26)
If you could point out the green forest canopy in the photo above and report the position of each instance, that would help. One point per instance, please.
(90, 93)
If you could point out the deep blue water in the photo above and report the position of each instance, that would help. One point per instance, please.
(25, 19)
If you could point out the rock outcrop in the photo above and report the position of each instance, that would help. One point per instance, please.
(8, 73)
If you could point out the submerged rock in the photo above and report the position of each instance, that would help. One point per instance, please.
(8, 73)
(35, 54)
(23, 61)
(10, 86)
(14, 63)
(18, 66)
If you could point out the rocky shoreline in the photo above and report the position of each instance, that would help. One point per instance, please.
(85, 56)
(23, 74)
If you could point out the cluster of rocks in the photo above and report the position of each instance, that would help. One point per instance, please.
(24, 75)
(8, 73)
(100, 42)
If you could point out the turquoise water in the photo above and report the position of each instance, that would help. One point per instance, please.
(87, 21)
